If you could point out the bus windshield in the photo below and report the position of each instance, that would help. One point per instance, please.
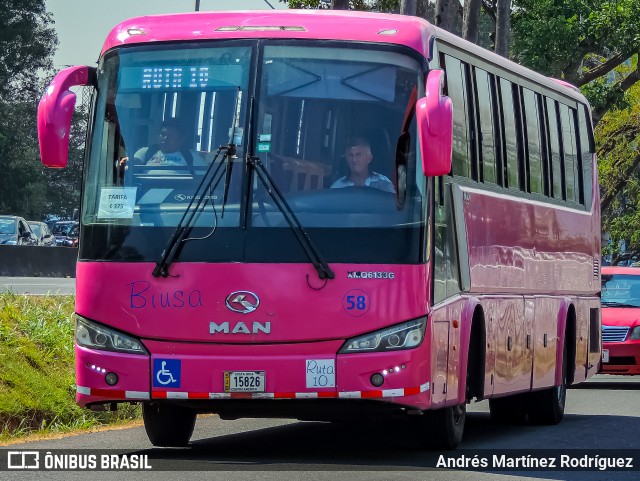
(324, 121)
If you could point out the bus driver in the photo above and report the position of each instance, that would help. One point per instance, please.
(358, 156)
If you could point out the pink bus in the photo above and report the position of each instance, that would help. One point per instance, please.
(322, 215)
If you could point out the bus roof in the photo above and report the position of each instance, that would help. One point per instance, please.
(300, 24)
(413, 32)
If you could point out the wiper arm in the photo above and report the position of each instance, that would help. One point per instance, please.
(321, 266)
(171, 250)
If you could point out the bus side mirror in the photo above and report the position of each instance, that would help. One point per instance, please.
(434, 114)
(55, 112)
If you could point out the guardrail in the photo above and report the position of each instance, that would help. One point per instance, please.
(31, 261)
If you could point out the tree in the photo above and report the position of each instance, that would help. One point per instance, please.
(580, 41)
(618, 148)
(447, 14)
(340, 4)
(503, 27)
(408, 7)
(470, 19)
(27, 42)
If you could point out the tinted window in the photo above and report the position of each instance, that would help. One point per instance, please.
(533, 141)
(510, 134)
(485, 121)
(7, 226)
(570, 151)
(456, 87)
(586, 149)
(554, 140)
(36, 229)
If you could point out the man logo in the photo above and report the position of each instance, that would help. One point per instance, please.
(239, 328)
(243, 302)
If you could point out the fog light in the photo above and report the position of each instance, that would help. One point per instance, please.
(111, 378)
(377, 379)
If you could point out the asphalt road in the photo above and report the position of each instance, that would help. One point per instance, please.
(39, 285)
(604, 414)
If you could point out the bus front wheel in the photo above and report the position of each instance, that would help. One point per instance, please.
(168, 425)
(445, 427)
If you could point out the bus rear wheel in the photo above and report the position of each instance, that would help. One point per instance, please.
(547, 406)
(168, 425)
(508, 410)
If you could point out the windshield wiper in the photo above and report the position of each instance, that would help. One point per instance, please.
(173, 246)
(323, 269)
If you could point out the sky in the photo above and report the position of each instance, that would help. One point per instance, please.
(83, 25)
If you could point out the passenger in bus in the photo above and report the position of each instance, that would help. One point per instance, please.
(170, 148)
(358, 156)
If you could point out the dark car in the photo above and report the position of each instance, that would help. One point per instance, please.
(42, 232)
(16, 231)
(66, 232)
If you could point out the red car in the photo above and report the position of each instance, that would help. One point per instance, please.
(620, 320)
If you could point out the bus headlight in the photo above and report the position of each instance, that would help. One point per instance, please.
(635, 334)
(401, 336)
(96, 336)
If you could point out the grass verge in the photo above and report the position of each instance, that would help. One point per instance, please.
(37, 372)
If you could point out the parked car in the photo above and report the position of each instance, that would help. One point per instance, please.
(16, 231)
(66, 232)
(42, 232)
(620, 320)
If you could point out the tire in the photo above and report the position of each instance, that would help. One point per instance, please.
(168, 425)
(509, 410)
(546, 407)
(445, 427)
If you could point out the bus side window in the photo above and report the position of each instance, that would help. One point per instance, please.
(484, 98)
(512, 177)
(557, 174)
(457, 92)
(570, 153)
(534, 160)
(446, 276)
(587, 148)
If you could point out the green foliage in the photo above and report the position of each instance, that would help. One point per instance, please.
(363, 5)
(22, 184)
(27, 41)
(561, 38)
(618, 147)
(546, 33)
(37, 382)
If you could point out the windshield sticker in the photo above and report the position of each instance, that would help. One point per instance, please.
(321, 373)
(264, 147)
(370, 275)
(117, 202)
(356, 303)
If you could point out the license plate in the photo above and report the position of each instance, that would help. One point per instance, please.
(244, 381)
(605, 355)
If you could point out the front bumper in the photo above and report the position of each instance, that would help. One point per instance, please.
(186, 372)
(624, 357)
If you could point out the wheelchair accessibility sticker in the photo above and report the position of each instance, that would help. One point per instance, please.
(166, 372)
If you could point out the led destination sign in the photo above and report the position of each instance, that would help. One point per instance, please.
(196, 77)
